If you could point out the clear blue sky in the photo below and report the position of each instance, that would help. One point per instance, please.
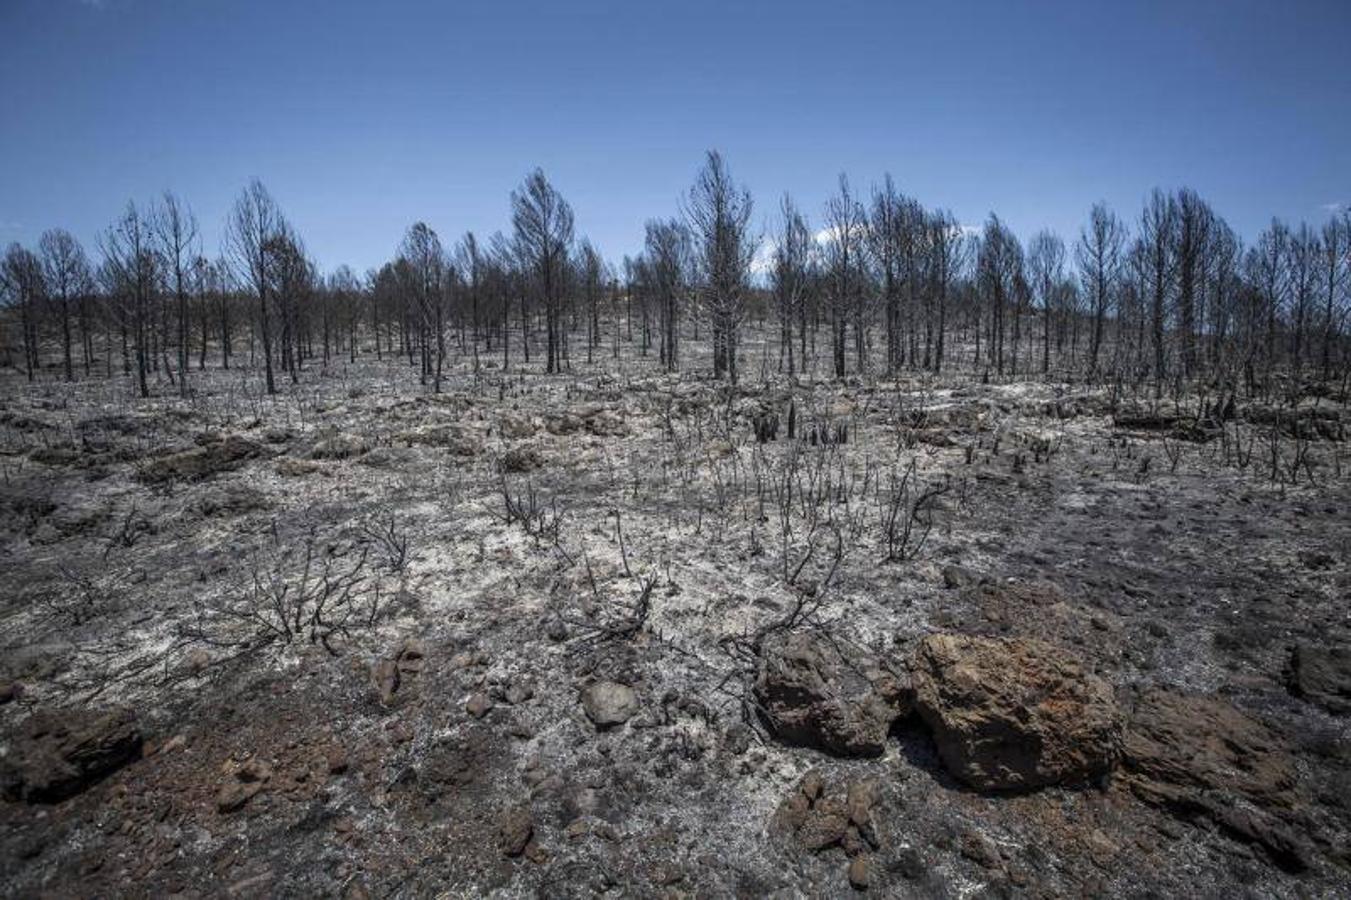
(365, 117)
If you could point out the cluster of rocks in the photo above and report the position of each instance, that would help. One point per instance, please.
(1005, 715)
(1016, 714)
(818, 815)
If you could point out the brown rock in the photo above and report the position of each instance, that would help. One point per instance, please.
(860, 798)
(1181, 746)
(478, 705)
(337, 760)
(1014, 714)
(812, 695)
(1199, 756)
(824, 826)
(860, 872)
(241, 787)
(977, 848)
(514, 830)
(58, 753)
(818, 816)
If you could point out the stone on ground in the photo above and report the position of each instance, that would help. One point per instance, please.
(1015, 714)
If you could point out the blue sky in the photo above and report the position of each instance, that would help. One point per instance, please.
(365, 117)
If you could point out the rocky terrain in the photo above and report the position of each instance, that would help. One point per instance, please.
(642, 635)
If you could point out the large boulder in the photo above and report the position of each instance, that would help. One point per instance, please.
(812, 694)
(1322, 676)
(1014, 714)
(57, 753)
(1182, 747)
(1198, 756)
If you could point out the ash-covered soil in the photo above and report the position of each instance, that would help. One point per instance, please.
(585, 634)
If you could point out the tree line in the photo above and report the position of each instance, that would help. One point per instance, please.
(881, 284)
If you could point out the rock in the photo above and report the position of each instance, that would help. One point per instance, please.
(338, 446)
(232, 500)
(57, 753)
(909, 864)
(860, 798)
(478, 705)
(606, 422)
(201, 462)
(9, 690)
(608, 703)
(824, 826)
(819, 816)
(1285, 848)
(1322, 676)
(521, 459)
(1014, 714)
(514, 830)
(385, 679)
(337, 760)
(977, 848)
(243, 785)
(811, 695)
(812, 785)
(1182, 747)
(459, 439)
(390, 675)
(515, 427)
(1199, 756)
(411, 657)
(958, 576)
(860, 872)
(196, 661)
(295, 468)
(562, 423)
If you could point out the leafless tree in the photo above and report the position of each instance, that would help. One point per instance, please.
(1336, 264)
(592, 278)
(885, 237)
(21, 277)
(1001, 274)
(470, 262)
(845, 270)
(131, 262)
(667, 265)
(422, 250)
(1194, 221)
(1099, 254)
(66, 278)
(791, 275)
(175, 230)
(718, 212)
(543, 225)
(1046, 272)
(1303, 264)
(251, 238)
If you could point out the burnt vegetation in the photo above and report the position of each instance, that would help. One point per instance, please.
(870, 549)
